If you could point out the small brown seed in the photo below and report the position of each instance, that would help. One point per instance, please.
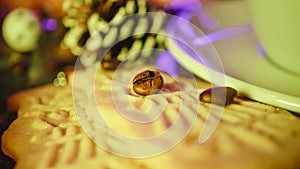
(148, 82)
(221, 96)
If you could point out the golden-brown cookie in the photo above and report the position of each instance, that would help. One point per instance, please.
(47, 133)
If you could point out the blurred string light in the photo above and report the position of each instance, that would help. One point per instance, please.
(49, 24)
(60, 79)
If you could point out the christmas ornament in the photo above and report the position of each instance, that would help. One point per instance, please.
(21, 30)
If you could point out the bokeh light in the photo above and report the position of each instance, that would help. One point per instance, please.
(49, 24)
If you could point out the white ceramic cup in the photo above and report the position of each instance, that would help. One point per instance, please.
(277, 24)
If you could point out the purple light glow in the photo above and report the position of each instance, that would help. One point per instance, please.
(186, 27)
(187, 5)
(49, 24)
(206, 21)
(222, 34)
(167, 63)
(261, 51)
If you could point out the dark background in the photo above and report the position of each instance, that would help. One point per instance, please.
(47, 60)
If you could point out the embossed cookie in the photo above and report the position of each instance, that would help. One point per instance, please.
(47, 133)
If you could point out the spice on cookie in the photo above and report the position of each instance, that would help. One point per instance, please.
(222, 96)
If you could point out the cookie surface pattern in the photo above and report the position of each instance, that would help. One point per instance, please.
(47, 134)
